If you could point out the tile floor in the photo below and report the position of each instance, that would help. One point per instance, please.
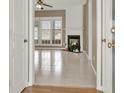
(62, 68)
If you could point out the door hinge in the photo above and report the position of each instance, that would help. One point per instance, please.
(104, 40)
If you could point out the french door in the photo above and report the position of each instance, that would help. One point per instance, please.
(18, 57)
(48, 31)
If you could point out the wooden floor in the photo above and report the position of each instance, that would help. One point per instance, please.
(49, 89)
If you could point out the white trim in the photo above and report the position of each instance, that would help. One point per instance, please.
(86, 54)
(90, 29)
(98, 5)
(103, 44)
(27, 37)
(90, 61)
(100, 88)
(31, 43)
(29, 84)
(94, 69)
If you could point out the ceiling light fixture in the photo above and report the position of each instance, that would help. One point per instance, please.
(40, 4)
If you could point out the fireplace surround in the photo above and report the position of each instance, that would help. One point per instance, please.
(74, 43)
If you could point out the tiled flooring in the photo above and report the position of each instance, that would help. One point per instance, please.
(62, 68)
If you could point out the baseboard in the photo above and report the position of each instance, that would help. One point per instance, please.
(26, 86)
(29, 84)
(89, 59)
(100, 88)
(90, 62)
(86, 54)
(93, 69)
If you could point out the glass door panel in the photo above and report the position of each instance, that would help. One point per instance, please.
(45, 32)
(57, 32)
(48, 31)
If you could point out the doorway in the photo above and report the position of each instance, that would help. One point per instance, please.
(56, 65)
(73, 68)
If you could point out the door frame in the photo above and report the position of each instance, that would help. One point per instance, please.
(31, 38)
(31, 42)
(90, 31)
(31, 72)
(107, 26)
(99, 29)
(27, 38)
(89, 55)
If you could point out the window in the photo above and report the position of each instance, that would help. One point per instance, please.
(57, 31)
(45, 24)
(45, 30)
(50, 31)
(35, 33)
(58, 24)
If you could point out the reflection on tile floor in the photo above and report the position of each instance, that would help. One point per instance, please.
(62, 68)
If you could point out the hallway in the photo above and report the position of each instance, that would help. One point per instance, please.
(62, 68)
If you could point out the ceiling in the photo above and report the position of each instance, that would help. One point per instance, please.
(61, 4)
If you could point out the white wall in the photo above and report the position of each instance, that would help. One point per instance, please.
(74, 22)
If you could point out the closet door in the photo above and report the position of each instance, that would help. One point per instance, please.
(18, 45)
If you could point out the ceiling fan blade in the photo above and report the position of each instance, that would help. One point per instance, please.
(47, 5)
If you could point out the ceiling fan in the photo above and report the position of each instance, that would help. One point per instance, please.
(40, 4)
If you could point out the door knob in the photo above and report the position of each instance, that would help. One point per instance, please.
(25, 40)
(111, 45)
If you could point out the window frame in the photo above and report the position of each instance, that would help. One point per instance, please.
(52, 20)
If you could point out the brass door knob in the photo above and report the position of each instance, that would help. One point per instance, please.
(111, 45)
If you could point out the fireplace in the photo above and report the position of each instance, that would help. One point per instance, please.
(74, 43)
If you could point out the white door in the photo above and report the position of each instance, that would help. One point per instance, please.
(108, 39)
(18, 48)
